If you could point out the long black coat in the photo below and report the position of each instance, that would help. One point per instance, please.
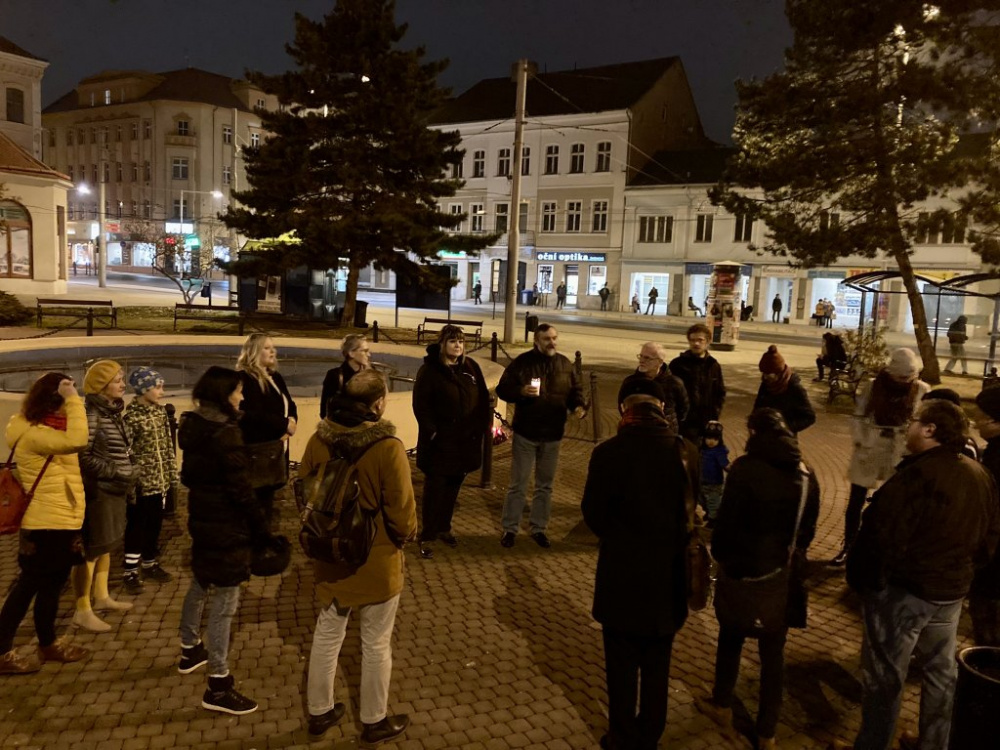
(793, 403)
(634, 502)
(223, 516)
(264, 410)
(702, 377)
(452, 407)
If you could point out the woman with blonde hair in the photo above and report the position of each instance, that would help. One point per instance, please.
(357, 357)
(269, 418)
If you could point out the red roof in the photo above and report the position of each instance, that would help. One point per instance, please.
(6, 45)
(15, 160)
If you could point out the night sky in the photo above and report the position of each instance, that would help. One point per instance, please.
(718, 41)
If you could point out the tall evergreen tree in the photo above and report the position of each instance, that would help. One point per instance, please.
(349, 164)
(875, 112)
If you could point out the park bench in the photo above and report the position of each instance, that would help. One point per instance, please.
(473, 329)
(202, 312)
(845, 381)
(91, 310)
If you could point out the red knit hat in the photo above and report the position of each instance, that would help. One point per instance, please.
(772, 363)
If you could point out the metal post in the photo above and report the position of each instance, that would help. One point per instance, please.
(578, 366)
(937, 319)
(861, 316)
(514, 230)
(90, 321)
(494, 346)
(374, 331)
(993, 337)
(595, 407)
(486, 473)
(102, 239)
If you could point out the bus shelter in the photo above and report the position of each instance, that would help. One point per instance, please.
(987, 287)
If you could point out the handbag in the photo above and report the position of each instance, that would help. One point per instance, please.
(14, 501)
(697, 561)
(267, 463)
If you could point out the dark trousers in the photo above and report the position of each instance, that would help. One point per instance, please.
(852, 516)
(143, 521)
(438, 504)
(771, 647)
(650, 307)
(776, 316)
(45, 558)
(265, 499)
(629, 659)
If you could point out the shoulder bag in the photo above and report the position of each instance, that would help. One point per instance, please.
(14, 501)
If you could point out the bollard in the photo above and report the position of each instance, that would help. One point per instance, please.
(494, 346)
(595, 407)
(90, 321)
(578, 366)
(486, 473)
(374, 331)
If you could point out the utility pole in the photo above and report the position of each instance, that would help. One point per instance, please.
(514, 233)
(102, 238)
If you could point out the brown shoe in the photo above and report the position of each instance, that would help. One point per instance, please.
(63, 652)
(12, 663)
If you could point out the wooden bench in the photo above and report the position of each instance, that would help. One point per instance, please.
(845, 381)
(203, 312)
(476, 334)
(102, 310)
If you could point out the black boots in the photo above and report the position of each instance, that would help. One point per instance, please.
(389, 728)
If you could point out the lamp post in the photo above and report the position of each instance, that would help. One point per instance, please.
(102, 244)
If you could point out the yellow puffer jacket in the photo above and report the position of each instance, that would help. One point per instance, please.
(58, 502)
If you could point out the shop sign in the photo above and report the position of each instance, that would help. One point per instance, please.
(572, 257)
(706, 269)
(780, 272)
(461, 254)
(826, 274)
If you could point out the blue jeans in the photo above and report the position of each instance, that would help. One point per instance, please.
(222, 603)
(544, 455)
(896, 624)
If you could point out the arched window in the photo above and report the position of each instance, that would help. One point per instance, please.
(15, 241)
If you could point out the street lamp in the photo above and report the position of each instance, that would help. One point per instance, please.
(217, 194)
(102, 244)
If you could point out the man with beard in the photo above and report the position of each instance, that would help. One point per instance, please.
(702, 377)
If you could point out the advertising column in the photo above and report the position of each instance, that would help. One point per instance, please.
(723, 314)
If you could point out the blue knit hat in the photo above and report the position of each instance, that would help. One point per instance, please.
(143, 379)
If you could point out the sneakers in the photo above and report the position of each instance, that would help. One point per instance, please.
(132, 583)
(13, 663)
(63, 652)
(541, 539)
(222, 696)
(389, 728)
(507, 540)
(155, 573)
(448, 538)
(192, 657)
(319, 724)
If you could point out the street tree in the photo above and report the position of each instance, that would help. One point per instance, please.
(175, 256)
(349, 170)
(876, 111)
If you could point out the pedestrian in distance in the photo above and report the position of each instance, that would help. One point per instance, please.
(561, 295)
(765, 524)
(830, 313)
(714, 464)
(781, 389)
(543, 387)
(109, 476)
(776, 307)
(354, 425)
(604, 293)
(452, 405)
(651, 304)
(640, 590)
(694, 308)
(45, 438)
(156, 463)
(984, 596)
(832, 354)
(957, 337)
(702, 377)
(357, 357)
(653, 365)
(819, 314)
(636, 305)
(477, 291)
(224, 521)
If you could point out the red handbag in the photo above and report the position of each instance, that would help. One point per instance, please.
(14, 500)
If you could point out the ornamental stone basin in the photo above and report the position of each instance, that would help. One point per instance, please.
(182, 359)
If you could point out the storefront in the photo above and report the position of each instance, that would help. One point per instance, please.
(775, 281)
(583, 273)
(699, 283)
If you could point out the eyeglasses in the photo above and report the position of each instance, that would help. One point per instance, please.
(644, 358)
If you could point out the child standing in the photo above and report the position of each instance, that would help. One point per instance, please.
(714, 462)
(153, 453)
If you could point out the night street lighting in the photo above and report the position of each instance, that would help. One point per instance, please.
(102, 244)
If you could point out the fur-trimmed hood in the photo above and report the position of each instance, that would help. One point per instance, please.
(357, 437)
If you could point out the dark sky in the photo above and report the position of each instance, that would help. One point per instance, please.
(718, 41)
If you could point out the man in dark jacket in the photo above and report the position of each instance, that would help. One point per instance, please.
(640, 595)
(702, 377)
(776, 305)
(543, 387)
(653, 365)
(926, 531)
(984, 597)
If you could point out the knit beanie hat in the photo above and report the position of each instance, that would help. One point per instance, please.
(99, 375)
(713, 430)
(143, 379)
(904, 364)
(989, 402)
(772, 363)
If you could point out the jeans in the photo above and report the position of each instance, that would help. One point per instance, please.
(638, 669)
(438, 504)
(896, 624)
(957, 353)
(143, 522)
(651, 307)
(711, 499)
(222, 603)
(771, 648)
(376, 658)
(544, 454)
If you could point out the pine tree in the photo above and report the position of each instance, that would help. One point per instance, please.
(349, 164)
(874, 113)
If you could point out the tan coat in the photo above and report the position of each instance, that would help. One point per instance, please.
(383, 475)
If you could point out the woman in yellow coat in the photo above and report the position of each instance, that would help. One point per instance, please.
(46, 438)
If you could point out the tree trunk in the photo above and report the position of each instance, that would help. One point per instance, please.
(351, 293)
(925, 344)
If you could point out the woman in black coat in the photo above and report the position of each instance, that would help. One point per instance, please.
(269, 416)
(452, 407)
(224, 519)
(781, 389)
(357, 357)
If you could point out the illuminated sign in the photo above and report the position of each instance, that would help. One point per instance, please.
(573, 257)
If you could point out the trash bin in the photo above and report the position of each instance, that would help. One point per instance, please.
(360, 314)
(977, 696)
(530, 325)
(527, 297)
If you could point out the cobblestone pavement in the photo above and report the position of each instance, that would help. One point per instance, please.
(493, 649)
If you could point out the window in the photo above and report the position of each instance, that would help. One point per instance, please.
(181, 209)
(478, 163)
(118, 133)
(107, 209)
(119, 205)
(227, 175)
(933, 231)
(147, 171)
(603, 157)
(107, 96)
(656, 228)
(502, 218)
(522, 218)
(953, 231)
(703, 230)
(69, 137)
(15, 106)
(476, 213)
(135, 209)
(503, 162)
(106, 172)
(81, 136)
(118, 171)
(52, 138)
(103, 136)
(83, 173)
(179, 171)
(147, 129)
(15, 241)
(261, 104)
(147, 210)
(552, 159)
(93, 173)
(548, 217)
(71, 173)
(598, 278)
(599, 222)
(455, 209)
(134, 131)
(576, 158)
(227, 134)
(574, 215)
(744, 229)
(135, 171)
(93, 135)
(255, 140)
(183, 127)
(828, 220)
(526, 160)
(456, 170)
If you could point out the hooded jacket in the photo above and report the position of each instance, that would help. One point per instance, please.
(58, 502)
(702, 378)
(754, 524)
(384, 478)
(793, 403)
(452, 407)
(224, 518)
(542, 417)
(152, 446)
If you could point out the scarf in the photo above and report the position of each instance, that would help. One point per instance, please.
(781, 384)
(891, 402)
(55, 421)
(643, 414)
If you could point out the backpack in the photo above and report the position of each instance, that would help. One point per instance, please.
(336, 528)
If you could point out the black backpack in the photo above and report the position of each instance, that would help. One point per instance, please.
(336, 528)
